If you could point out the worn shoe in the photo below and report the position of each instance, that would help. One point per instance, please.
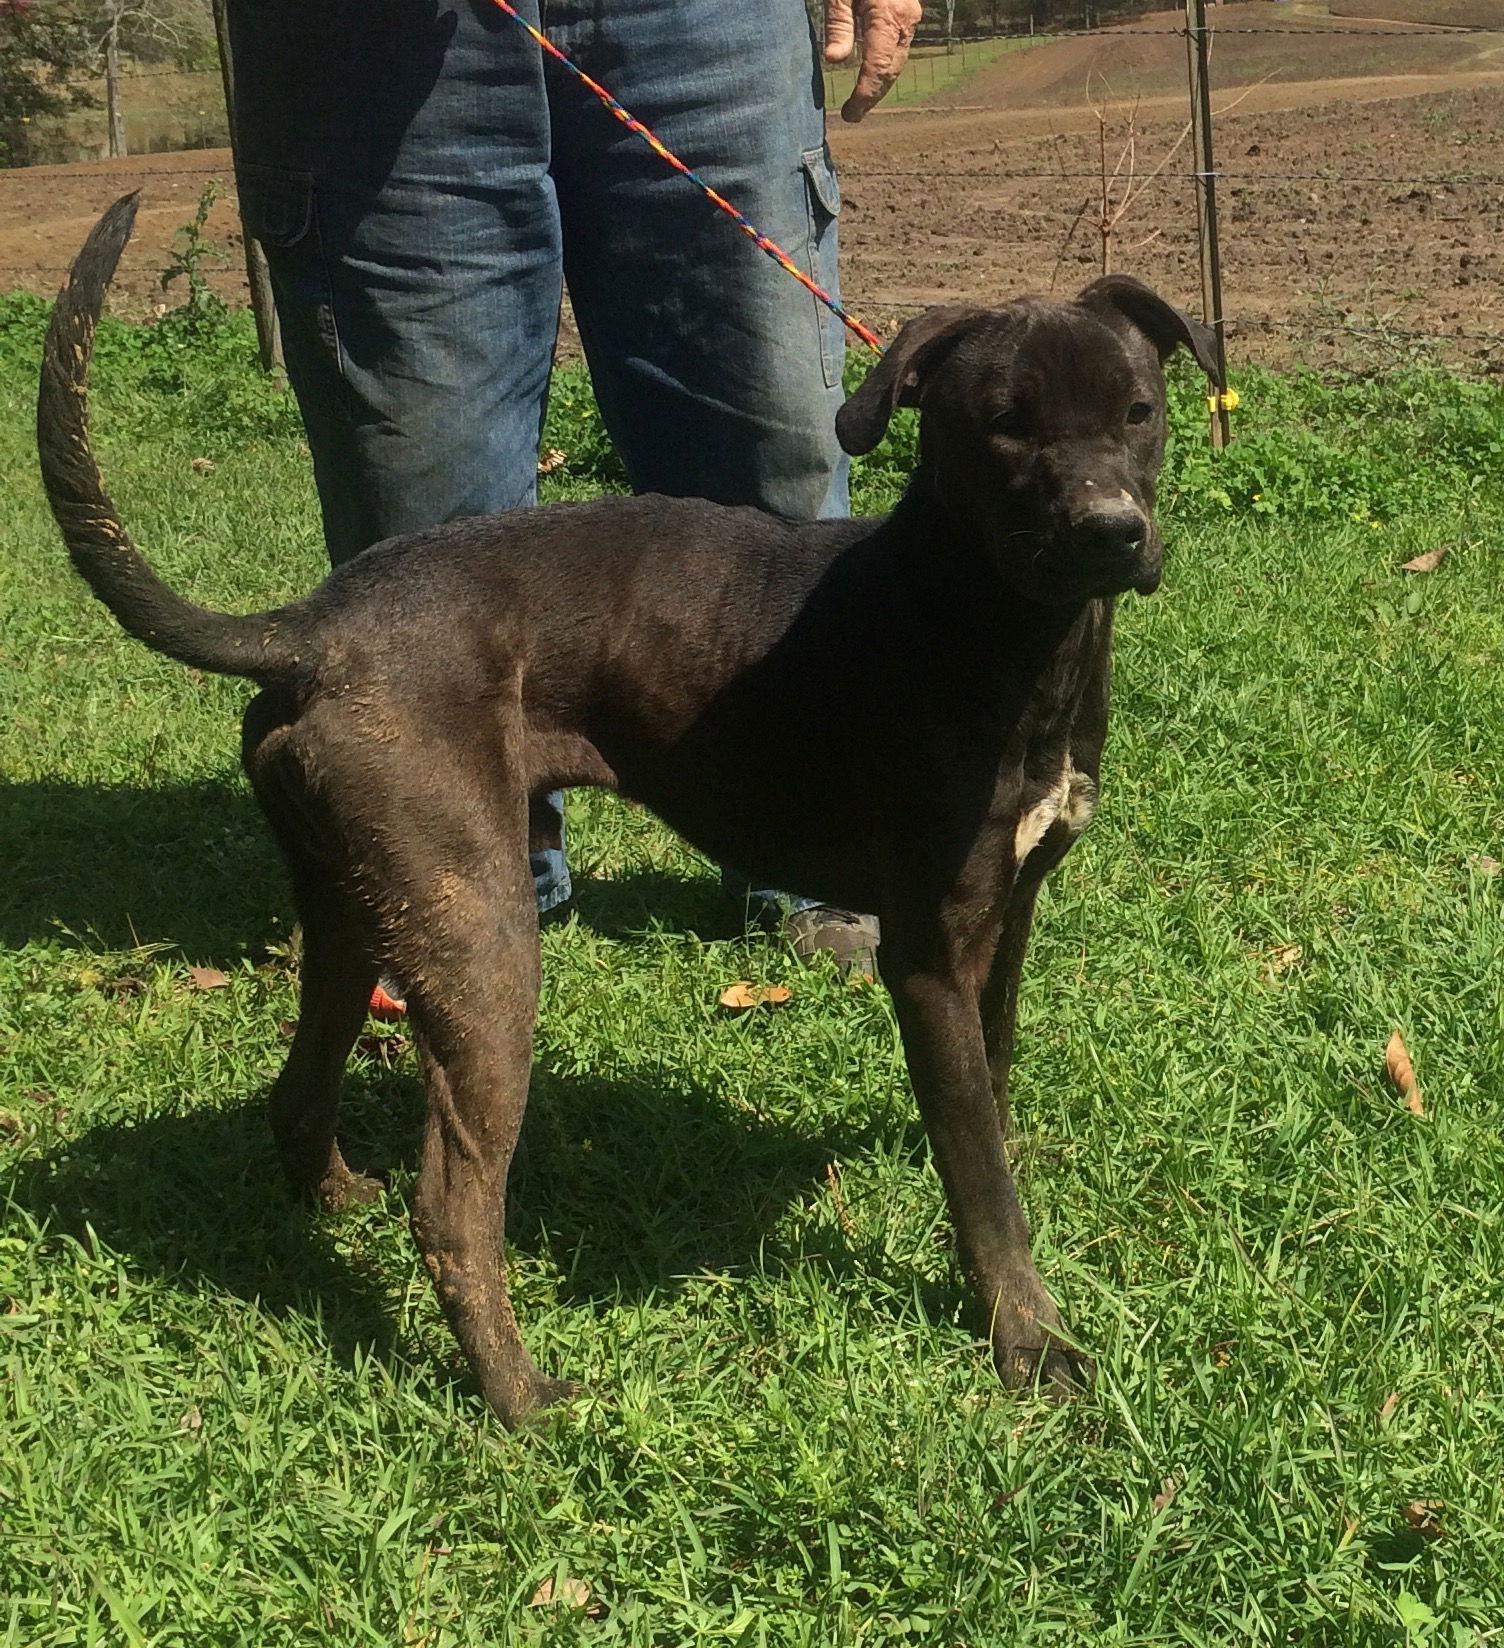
(852, 939)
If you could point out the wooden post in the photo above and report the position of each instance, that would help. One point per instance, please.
(258, 276)
(1197, 43)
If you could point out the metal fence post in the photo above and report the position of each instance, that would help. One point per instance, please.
(1206, 204)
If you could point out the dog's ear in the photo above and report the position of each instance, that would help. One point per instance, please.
(1162, 323)
(897, 378)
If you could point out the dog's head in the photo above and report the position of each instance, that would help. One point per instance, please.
(1043, 425)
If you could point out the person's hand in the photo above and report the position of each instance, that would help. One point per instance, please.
(887, 28)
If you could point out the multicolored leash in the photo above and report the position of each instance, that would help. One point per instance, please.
(758, 239)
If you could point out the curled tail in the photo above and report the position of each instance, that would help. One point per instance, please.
(263, 646)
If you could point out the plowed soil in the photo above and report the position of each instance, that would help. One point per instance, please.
(1362, 212)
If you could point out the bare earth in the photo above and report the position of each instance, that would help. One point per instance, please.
(1358, 209)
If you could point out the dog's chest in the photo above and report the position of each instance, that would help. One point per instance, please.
(1068, 803)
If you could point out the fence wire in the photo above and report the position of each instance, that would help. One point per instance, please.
(1235, 178)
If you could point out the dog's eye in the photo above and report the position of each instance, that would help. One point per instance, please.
(1140, 412)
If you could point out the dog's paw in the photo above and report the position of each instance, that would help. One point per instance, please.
(1055, 1370)
(1031, 1349)
(538, 1401)
(342, 1189)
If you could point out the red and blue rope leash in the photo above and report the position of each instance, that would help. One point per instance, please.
(758, 239)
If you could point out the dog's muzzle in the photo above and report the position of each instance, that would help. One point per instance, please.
(1115, 546)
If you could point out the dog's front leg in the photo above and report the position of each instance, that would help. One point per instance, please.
(1000, 993)
(940, 1018)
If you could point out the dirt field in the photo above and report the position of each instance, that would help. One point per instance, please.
(1359, 209)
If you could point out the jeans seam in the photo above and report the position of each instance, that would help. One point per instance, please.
(819, 220)
(328, 319)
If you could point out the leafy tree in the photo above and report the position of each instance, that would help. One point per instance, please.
(43, 50)
(47, 47)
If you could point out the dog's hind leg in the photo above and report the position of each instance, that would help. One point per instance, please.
(337, 973)
(466, 951)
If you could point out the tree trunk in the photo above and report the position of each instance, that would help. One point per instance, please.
(115, 114)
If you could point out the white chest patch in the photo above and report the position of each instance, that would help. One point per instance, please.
(1070, 802)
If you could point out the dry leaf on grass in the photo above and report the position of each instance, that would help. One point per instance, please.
(1402, 1073)
(191, 1423)
(1424, 1515)
(207, 978)
(1284, 957)
(744, 994)
(1486, 865)
(1427, 562)
(551, 460)
(1166, 1493)
(1391, 1402)
(568, 1593)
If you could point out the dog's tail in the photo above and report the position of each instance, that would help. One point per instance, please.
(263, 646)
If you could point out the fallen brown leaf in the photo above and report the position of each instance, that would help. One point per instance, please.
(1486, 865)
(191, 1423)
(744, 994)
(1402, 1073)
(1391, 1402)
(207, 978)
(1427, 562)
(1165, 1495)
(568, 1593)
(1285, 956)
(1424, 1515)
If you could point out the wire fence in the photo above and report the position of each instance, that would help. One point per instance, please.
(1045, 198)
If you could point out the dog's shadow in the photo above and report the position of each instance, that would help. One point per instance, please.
(189, 866)
(192, 867)
(620, 1189)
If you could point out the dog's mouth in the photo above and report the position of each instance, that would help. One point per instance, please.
(1067, 567)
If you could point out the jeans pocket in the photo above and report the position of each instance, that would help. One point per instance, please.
(279, 207)
(823, 195)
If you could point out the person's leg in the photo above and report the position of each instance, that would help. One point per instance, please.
(718, 375)
(394, 162)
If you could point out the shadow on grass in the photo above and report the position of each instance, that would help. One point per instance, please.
(622, 1188)
(193, 866)
(187, 865)
(629, 905)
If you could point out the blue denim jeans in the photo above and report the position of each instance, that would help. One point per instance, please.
(425, 183)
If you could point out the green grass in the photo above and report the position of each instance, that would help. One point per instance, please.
(223, 1421)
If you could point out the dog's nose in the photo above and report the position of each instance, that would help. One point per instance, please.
(1113, 527)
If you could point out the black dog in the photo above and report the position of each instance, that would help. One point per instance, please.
(902, 715)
